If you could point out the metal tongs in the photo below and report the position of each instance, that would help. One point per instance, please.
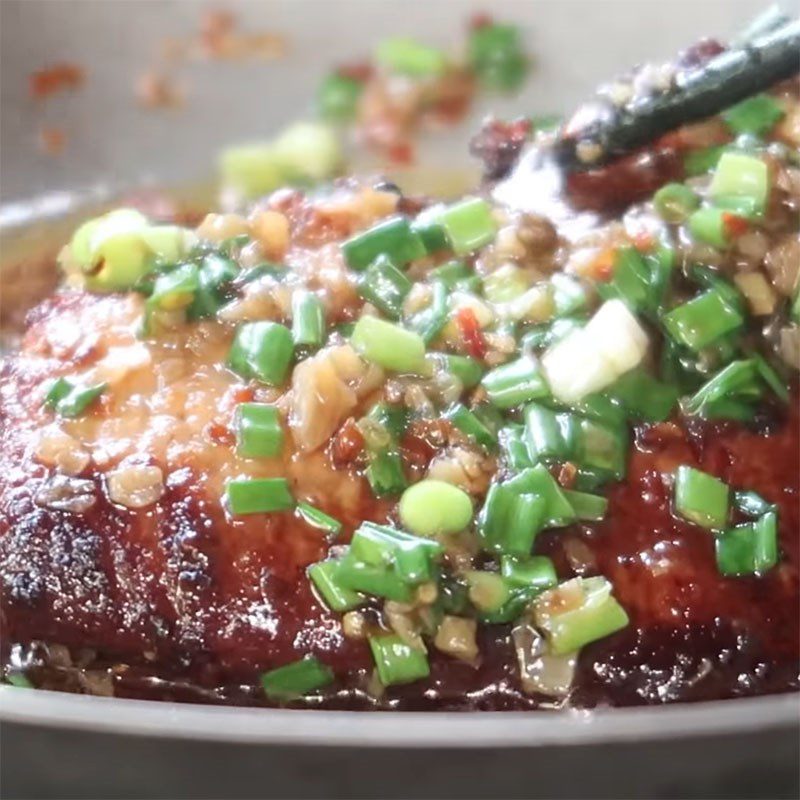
(763, 58)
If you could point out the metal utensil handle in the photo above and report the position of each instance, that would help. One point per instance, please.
(716, 85)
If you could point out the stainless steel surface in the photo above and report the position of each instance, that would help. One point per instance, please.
(381, 729)
(62, 746)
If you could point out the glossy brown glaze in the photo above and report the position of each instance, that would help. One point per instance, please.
(183, 603)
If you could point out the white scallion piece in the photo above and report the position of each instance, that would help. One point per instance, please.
(591, 358)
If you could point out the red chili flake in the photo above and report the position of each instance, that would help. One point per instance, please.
(602, 268)
(218, 433)
(55, 78)
(215, 26)
(157, 90)
(643, 241)
(471, 332)
(480, 20)
(52, 141)
(734, 224)
(360, 71)
(236, 395)
(401, 153)
(347, 444)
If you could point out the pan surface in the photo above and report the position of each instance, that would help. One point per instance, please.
(112, 142)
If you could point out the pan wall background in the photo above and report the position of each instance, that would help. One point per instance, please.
(111, 139)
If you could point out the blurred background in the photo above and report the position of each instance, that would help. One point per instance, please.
(106, 132)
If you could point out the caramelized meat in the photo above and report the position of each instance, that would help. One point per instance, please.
(179, 591)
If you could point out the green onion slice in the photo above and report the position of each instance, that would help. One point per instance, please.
(258, 495)
(296, 679)
(701, 498)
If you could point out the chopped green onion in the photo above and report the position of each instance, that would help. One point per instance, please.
(303, 152)
(598, 615)
(406, 56)
(258, 430)
(308, 319)
(587, 507)
(258, 495)
(708, 225)
(740, 177)
(393, 238)
(319, 519)
(488, 591)
(510, 520)
(701, 498)
(468, 225)
(601, 408)
(531, 571)
(673, 202)
(412, 557)
(17, 680)
(539, 481)
(215, 271)
(337, 98)
(429, 322)
(496, 55)
(427, 226)
(296, 679)
(549, 436)
(323, 575)
(84, 243)
(748, 549)
(703, 320)
(771, 378)
(393, 418)
(739, 381)
(699, 162)
(516, 510)
(630, 281)
(385, 473)
(568, 295)
(390, 346)
(515, 383)
(308, 152)
(262, 350)
(251, 169)
(640, 280)
(602, 447)
(70, 399)
(385, 286)
(545, 122)
(376, 580)
(752, 504)
(266, 270)
(541, 336)
(466, 369)
(175, 290)
(592, 358)
(644, 397)
(431, 508)
(506, 283)
(514, 448)
(116, 250)
(452, 273)
(756, 115)
(470, 424)
(396, 661)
